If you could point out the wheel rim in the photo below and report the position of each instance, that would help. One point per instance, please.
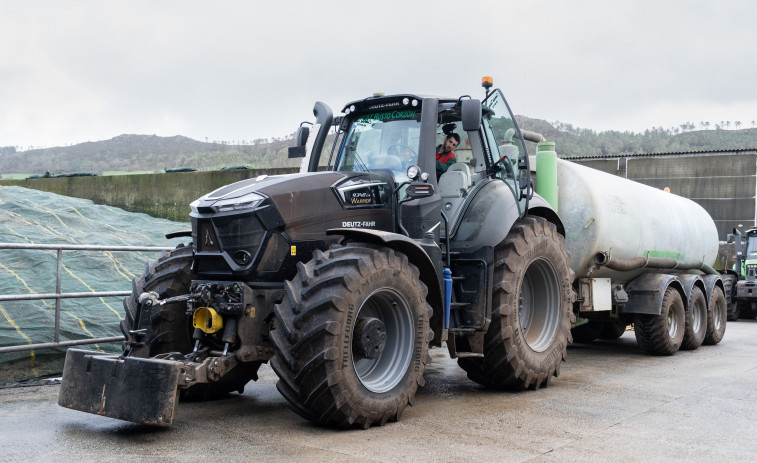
(383, 373)
(672, 324)
(699, 317)
(539, 305)
(718, 314)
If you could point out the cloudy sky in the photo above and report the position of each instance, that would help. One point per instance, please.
(235, 70)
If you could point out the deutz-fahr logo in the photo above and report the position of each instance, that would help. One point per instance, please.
(358, 224)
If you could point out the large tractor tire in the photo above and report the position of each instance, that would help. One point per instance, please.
(732, 307)
(169, 329)
(716, 317)
(531, 310)
(662, 334)
(351, 336)
(695, 325)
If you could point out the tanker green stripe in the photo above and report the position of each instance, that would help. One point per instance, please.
(665, 254)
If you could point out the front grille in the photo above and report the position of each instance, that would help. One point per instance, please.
(239, 232)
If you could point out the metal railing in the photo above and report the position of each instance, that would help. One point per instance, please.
(58, 295)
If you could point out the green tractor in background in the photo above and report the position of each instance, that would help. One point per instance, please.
(741, 281)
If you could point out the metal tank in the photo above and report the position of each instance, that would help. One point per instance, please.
(611, 219)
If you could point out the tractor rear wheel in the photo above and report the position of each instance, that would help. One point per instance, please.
(732, 307)
(716, 317)
(531, 310)
(167, 328)
(662, 334)
(695, 326)
(351, 336)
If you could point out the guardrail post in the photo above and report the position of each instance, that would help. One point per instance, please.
(56, 335)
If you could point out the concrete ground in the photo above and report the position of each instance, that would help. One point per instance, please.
(610, 403)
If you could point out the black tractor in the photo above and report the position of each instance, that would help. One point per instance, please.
(344, 275)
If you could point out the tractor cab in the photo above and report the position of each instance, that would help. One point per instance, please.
(399, 136)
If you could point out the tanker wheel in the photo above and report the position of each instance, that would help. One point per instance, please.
(587, 332)
(662, 334)
(168, 329)
(716, 317)
(732, 308)
(531, 310)
(613, 329)
(695, 325)
(351, 336)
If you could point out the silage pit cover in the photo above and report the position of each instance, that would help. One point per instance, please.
(37, 217)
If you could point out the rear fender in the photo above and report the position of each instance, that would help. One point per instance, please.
(645, 293)
(710, 283)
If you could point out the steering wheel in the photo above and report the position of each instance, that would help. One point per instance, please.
(401, 150)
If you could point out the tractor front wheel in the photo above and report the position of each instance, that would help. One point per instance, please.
(352, 336)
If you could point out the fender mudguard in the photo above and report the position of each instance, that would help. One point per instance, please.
(646, 291)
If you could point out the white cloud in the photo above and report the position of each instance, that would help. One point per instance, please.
(237, 70)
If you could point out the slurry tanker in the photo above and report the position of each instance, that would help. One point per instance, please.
(343, 276)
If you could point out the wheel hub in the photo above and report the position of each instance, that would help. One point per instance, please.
(369, 339)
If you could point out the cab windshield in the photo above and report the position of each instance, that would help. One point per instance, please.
(751, 245)
(386, 140)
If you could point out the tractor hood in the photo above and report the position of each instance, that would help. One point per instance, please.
(244, 227)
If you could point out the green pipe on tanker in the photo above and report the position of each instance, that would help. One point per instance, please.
(546, 172)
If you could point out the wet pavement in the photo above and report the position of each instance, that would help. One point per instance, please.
(611, 403)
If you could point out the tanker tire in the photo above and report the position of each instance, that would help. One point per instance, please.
(531, 310)
(695, 326)
(732, 308)
(716, 317)
(662, 334)
(170, 329)
(587, 332)
(326, 374)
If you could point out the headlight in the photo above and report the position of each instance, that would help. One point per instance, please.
(246, 202)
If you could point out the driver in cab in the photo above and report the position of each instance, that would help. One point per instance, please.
(445, 156)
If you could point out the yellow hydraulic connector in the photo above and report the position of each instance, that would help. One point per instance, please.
(207, 319)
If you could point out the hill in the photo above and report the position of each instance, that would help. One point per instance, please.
(151, 153)
(146, 153)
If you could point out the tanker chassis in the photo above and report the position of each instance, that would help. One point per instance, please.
(344, 275)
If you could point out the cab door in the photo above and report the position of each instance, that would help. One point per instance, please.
(507, 155)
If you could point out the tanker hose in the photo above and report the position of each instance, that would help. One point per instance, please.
(603, 259)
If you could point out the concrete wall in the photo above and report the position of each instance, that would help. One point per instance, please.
(723, 183)
(159, 195)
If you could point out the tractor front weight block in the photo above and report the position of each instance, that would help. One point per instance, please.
(142, 390)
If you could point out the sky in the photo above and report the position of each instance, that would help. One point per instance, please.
(238, 70)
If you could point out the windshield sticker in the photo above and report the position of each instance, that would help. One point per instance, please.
(387, 116)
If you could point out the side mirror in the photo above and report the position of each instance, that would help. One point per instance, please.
(301, 137)
(300, 140)
(471, 114)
